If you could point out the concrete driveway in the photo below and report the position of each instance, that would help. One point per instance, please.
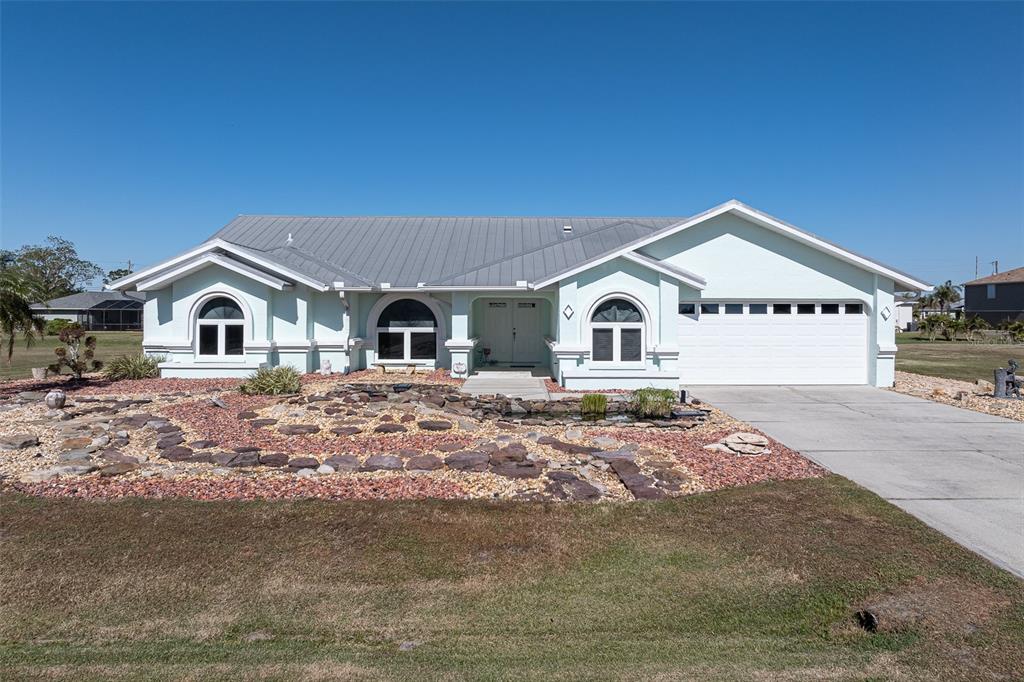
(960, 472)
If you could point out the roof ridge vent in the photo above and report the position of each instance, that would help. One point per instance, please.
(566, 229)
(288, 242)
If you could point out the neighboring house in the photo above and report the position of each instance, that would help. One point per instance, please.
(996, 298)
(729, 296)
(96, 310)
(904, 315)
(954, 310)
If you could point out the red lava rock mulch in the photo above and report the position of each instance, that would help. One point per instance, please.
(100, 386)
(554, 387)
(720, 470)
(372, 376)
(282, 488)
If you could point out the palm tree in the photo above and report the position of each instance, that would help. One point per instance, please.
(16, 315)
(946, 294)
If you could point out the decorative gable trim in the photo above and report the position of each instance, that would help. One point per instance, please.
(215, 246)
(165, 277)
(758, 218)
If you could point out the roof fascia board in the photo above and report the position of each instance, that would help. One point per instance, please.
(205, 260)
(671, 272)
(238, 252)
(761, 219)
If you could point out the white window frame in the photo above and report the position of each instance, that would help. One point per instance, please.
(221, 355)
(406, 343)
(617, 328)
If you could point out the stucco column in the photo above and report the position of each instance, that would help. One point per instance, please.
(460, 346)
(882, 361)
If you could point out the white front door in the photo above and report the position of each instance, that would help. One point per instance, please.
(527, 344)
(511, 331)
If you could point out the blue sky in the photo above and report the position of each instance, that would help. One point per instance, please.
(138, 129)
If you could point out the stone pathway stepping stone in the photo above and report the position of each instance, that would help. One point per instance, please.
(178, 453)
(390, 428)
(423, 463)
(74, 456)
(170, 441)
(201, 444)
(18, 442)
(274, 459)
(118, 469)
(345, 430)
(570, 448)
(298, 429)
(641, 486)
(382, 462)
(115, 456)
(467, 460)
(343, 462)
(244, 459)
(518, 469)
(432, 425)
(303, 463)
(263, 422)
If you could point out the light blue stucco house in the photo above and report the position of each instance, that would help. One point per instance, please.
(731, 295)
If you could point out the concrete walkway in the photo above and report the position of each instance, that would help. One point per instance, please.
(511, 383)
(960, 472)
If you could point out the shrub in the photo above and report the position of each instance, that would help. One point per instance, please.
(55, 327)
(594, 405)
(77, 352)
(133, 367)
(275, 381)
(652, 402)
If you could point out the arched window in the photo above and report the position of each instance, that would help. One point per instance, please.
(221, 328)
(407, 330)
(617, 332)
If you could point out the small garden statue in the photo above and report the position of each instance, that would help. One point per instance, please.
(55, 399)
(1008, 385)
(325, 367)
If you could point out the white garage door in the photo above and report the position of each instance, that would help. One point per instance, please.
(773, 343)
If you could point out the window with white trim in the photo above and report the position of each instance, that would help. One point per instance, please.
(407, 330)
(220, 329)
(617, 332)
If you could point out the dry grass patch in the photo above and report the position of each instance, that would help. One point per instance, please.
(756, 582)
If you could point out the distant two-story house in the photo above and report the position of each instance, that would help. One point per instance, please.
(996, 298)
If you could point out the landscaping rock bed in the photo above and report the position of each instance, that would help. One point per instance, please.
(970, 396)
(342, 439)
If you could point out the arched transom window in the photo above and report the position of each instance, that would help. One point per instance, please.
(407, 330)
(617, 332)
(221, 328)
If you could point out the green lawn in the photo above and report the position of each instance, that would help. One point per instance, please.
(953, 359)
(40, 354)
(749, 583)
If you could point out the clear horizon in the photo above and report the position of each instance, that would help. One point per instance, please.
(137, 130)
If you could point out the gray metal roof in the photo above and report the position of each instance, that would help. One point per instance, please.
(439, 251)
(85, 300)
(479, 252)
